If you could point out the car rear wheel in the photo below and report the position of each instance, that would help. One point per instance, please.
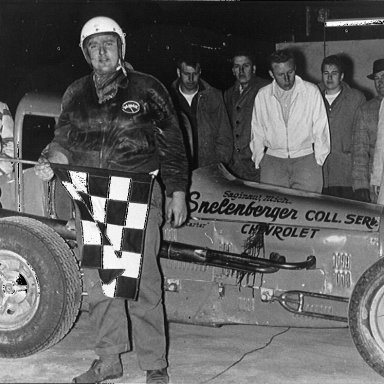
(366, 316)
(40, 287)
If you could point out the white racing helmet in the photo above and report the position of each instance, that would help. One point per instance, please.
(101, 24)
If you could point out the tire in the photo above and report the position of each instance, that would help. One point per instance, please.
(40, 287)
(366, 316)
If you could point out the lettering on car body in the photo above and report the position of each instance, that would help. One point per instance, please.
(195, 224)
(248, 205)
(332, 217)
(259, 197)
(368, 221)
(280, 232)
(322, 216)
(226, 207)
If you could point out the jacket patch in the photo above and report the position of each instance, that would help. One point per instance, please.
(131, 107)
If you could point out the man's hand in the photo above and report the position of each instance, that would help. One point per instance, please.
(6, 167)
(176, 209)
(362, 195)
(374, 193)
(43, 170)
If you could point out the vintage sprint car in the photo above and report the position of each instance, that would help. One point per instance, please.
(249, 254)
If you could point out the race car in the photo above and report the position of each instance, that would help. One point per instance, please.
(248, 254)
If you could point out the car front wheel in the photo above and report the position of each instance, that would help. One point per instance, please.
(40, 287)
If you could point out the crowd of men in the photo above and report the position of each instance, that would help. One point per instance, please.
(286, 132)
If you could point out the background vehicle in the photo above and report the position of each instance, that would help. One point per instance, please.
(250, 254)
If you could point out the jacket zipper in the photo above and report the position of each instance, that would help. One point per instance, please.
(103, 129)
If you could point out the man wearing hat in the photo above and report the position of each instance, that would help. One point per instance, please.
(97, 129)
(364, 137)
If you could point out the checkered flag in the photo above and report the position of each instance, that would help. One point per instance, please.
(114, 208)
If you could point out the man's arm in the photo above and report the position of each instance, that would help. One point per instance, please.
(7, 146)
(55, 152)
(360, 152)
(378, 157)
(257, 133)
(224, 147)
(7, 129)
(174, 169)
(321, 136)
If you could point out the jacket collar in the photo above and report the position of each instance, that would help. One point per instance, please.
(253, 82)
(297, 88)
(203, 85)
(344, 87)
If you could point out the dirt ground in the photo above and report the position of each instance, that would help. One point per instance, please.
(201, 355)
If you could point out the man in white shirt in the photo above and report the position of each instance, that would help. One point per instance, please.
(290, 134)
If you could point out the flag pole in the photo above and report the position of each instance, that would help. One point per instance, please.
(13, 160)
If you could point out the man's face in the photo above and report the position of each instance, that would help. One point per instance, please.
(378, 78)
(332, 78)
(189, 77)
(243, 69)
(284, 74)
(103, 51)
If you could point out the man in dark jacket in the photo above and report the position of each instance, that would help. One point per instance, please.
(120, 119)
(342, 103)
(239, 101)
(202, 115)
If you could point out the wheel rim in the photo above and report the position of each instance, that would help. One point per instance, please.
(19, 291)
(376, 317)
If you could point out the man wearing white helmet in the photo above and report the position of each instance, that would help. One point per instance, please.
(117, 118)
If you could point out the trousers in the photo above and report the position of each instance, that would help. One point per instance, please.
(339, 191)
(113, 317)
(298, 173)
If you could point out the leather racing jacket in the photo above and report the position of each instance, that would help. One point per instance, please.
(136, 130)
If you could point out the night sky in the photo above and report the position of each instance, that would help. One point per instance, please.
(39, 39)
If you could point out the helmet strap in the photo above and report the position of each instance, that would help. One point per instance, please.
(120, 65)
